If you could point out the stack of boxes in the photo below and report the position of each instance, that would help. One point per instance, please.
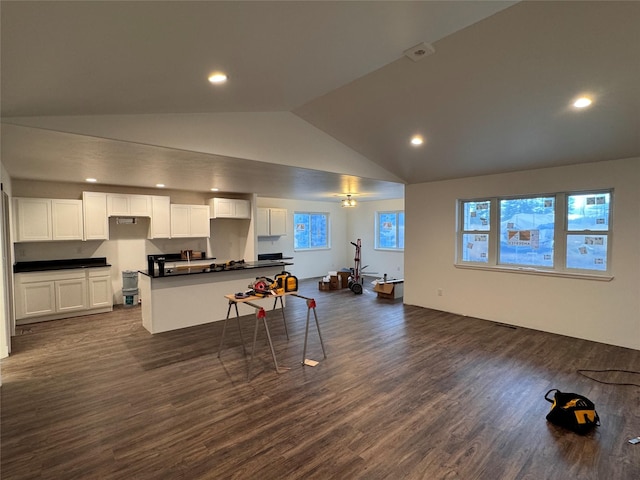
(334, 281)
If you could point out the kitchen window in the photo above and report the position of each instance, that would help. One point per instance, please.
(311, 231)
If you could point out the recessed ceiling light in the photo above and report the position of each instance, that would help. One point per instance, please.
(417, 140)
(160, 185)
(582, 102)
(91, 180)
(215, 189)
(218, 77)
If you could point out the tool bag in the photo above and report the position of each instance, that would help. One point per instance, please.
(287, 282)
(572, 411)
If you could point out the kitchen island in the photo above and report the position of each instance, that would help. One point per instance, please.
(194, 296)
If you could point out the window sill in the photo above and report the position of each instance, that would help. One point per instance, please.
(537, 271)
(400, 250)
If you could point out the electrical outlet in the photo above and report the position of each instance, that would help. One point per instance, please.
(439, 292)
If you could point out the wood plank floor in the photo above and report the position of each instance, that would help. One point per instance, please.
(405, 393)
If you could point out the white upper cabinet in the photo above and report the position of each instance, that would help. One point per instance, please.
(43, 219)
(230, 208)
(67, 220)
(96, 220)
(119, 204)
(190, 221)
(160, 217)
(271, 222)
(33, 219)
(200, 226)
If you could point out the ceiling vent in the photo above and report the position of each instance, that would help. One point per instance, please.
(419, 51)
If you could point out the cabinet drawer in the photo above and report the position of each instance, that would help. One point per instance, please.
(99, 272)
(31, 277)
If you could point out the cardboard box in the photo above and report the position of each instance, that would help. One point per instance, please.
(323, 286)
(333, 282)
(344, 279)
(390, 290)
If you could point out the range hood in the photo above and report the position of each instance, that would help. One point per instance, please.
(126, 220)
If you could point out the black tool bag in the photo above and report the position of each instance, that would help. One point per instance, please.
(572, 411)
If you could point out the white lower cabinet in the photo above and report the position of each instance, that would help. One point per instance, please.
(62, 293)
(99, 282)
(35, 299)
(71, 295)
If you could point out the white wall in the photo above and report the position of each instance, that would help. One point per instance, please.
(126, 249)
(607, 312)
(347, 225)
(315, 263)
(361, 224)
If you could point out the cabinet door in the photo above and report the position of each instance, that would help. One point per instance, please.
(180, 222)
(35, 299)
(96, 220)
(118, 204)
(243, 208)
(140, 205)
(223, 208)
(199, 220)
(262, 222)
(33, 219)
(160, 217)
(277, 221)
(100, 292)
(71, 295)
(66, 219)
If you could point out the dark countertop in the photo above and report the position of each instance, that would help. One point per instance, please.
(172, 272)
(47, 265)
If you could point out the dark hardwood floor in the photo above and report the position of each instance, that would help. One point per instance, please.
(405, 393)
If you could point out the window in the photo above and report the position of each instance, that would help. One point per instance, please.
(588, 231)
(311, 231)
(390, 230)
(476, 222)
(527, 227)
(562, 232)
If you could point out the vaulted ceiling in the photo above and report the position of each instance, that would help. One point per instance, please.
(320, 99)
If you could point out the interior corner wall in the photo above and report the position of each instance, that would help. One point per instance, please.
(347, 225)
(361, 224)
(607, 312)
(6, 304)
(313, 263)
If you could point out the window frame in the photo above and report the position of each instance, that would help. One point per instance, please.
(376, 232)
(560, 237)
(310, 214)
